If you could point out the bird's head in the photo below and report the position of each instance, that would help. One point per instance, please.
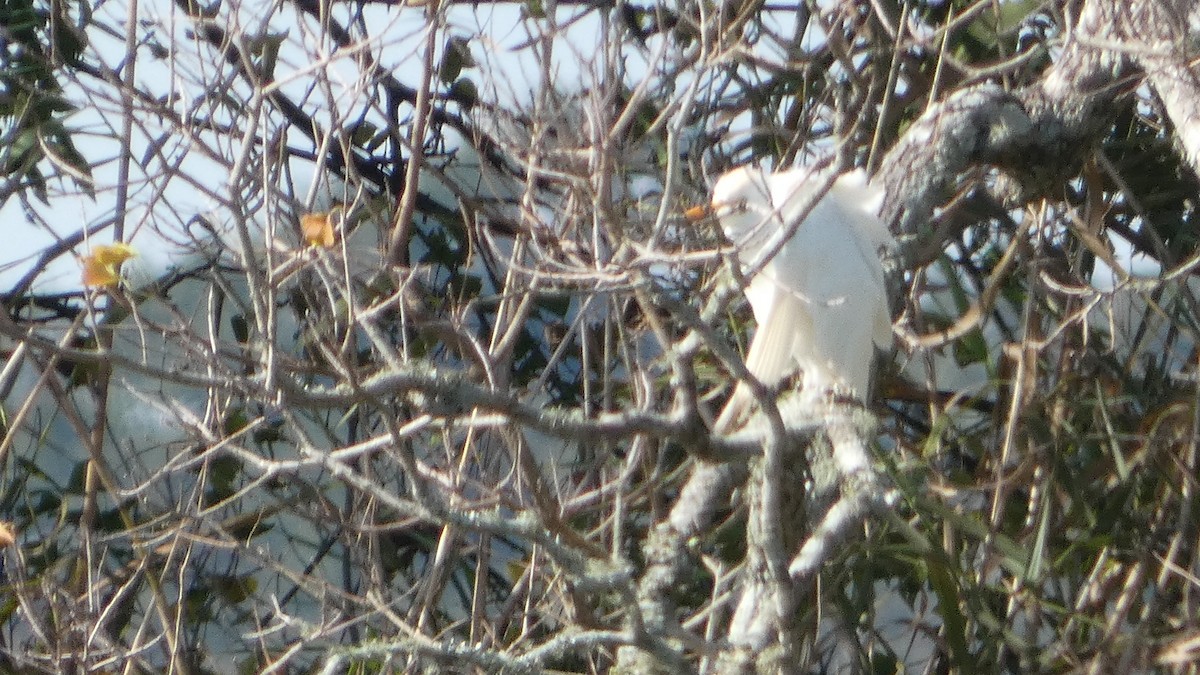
(741, 203)
(737, 189)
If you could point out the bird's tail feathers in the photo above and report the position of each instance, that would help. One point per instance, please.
(769, 359)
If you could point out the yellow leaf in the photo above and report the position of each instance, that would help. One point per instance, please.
(113, 254)
(317, 229)
(101, 268)
(96, 274)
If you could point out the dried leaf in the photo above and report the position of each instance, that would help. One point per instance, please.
(317, 229)
(8, 534)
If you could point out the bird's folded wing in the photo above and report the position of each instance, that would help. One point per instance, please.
(770, 358)
(871, 239)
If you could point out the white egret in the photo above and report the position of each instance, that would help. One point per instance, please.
(816, 286)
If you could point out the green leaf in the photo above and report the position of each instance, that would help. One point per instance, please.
(64, 150)
(69, 40)
(971, 348)
(21, 152)
(954, 624)
(248, 525)
(456, 55)
(465, 93)
(225, 469)
(233, 589)
(240, 328)
(76, 482)
(266, 48)
(534, 9)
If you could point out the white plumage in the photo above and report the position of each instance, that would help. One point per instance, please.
(821, 300)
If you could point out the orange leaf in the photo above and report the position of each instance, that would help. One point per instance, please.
(697, 213)
(317, 229)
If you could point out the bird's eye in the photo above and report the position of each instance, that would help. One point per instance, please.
(731, 207)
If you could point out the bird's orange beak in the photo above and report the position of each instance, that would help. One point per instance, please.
(699, 212)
